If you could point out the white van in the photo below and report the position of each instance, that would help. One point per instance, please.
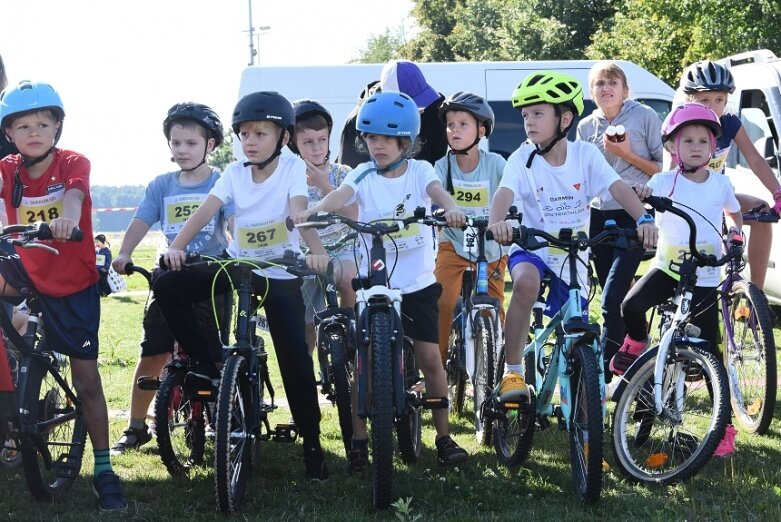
(338, 87)
(757, 100)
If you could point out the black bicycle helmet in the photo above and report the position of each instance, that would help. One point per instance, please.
(306, 108)
(264, 106)
(471, 103)
(707, 76)
(199, 113)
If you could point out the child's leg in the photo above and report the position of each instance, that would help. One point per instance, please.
(705, 315)
(427, 358)
(652, 289)
(496, 272)
(449, 272)
(526, 286)
(759, 243)
(344, 273)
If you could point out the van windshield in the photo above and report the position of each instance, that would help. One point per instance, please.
(508, 133)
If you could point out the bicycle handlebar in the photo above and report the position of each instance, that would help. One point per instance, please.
(526, 238)
(757, 214)
(374, 228)
(40, 231)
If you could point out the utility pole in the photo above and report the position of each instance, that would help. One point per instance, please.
(252, 51)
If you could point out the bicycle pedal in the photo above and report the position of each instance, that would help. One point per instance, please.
(435, 403)
(285, 433)
(148, 383)
(67, 466)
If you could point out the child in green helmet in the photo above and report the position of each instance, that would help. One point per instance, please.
(552, 182)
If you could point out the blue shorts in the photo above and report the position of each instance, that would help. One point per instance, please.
(558, 290)
(71, 322)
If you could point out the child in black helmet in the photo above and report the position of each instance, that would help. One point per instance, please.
(265, 190)
(193, 131)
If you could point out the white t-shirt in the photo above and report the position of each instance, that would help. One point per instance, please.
(259, 229)
(710, 198)
(551, 198)
(395, 198)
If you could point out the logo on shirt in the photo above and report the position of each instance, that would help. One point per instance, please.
(57, 187)
(576, 185)
(400, 209)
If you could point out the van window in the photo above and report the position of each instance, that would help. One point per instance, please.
(508, 131)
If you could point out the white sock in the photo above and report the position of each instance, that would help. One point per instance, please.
(513, 368)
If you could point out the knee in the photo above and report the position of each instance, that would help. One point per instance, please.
(525, 290)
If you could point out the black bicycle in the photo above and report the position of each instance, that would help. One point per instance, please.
(44, 414)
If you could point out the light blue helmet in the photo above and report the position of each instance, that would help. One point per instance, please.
(389, 114)
(30, 96)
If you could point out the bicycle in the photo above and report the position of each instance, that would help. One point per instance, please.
(474, 336)
(389, 391)
(44, 414)
(749, 350)
(572, 360)
(671, 404)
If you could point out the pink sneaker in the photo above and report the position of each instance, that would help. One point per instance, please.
(726, 447)
(626, 355)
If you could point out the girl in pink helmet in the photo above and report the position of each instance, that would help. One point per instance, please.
(689, 134)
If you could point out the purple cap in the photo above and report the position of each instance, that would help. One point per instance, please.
(406, 77)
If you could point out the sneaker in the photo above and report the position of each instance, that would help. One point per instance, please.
(108, 491)
(626, 355)
(314, 460)
(448, 452)
(132, 438)
(513, 388)
(726, 447)
(357, 460)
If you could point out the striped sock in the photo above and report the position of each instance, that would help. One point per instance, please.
(102, 461)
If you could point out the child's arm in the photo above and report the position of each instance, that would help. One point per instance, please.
(318, 258)
(72, 201)
(453, 215)
(502, 231)
(757, 163)
(332, 202)
(133, 235)
(175, 255)
(734, 221)
(626, 197)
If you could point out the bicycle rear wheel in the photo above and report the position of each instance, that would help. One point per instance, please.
(485, 348)
(675, 444)
(750, 356)
(54, 433)
(585, 424)
(456, 374)
(381, 409)
(341, 369)
(409, 427)
(513, 435)
(234, 439)
(181, 429)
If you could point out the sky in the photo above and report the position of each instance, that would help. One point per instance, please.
(119, 65)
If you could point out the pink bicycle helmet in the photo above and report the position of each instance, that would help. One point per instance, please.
(690, 114)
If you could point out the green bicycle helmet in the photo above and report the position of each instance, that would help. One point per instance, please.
(549, 87)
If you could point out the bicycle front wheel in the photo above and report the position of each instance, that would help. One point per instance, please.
(381, 409)
(234, 439)
(585, 424)
(456, 373)
(341, 370)
(181, 429)
(513, 433)
(409, 428)
(54, 433)
(670, 446)
(485, 348)
(750, 356)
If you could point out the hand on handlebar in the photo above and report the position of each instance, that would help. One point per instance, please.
(502, 232)
(174, 258)
(454, 217)
(301, 217)
(648, 234)
(318, 262)
(642, 191)
(120, 262)
(61, 228)
(777, 206)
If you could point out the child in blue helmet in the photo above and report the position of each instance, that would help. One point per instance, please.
(193, 131)
(45, 182)
(393, 185)
(265, 189)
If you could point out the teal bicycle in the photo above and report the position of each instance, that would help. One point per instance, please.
(564, 362)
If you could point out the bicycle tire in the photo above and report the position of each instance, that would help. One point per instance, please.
(45, 400)
(381, 409)
(585, 424)
(409, 426)
(513, 436)
(234, 440)
(671, 447)
(485, 348)
(341, 379)
(180, 425)
(750, 357)
(456, 374)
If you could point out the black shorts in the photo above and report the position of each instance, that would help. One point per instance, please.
(420, 314)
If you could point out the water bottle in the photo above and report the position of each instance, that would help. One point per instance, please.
(482, 278)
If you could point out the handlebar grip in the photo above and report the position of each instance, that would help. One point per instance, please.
(45, 232)
(289, 224)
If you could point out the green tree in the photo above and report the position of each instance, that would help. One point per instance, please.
(664, 36)
(381, 48)
(221, 157)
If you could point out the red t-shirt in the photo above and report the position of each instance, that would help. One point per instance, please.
(42, 200)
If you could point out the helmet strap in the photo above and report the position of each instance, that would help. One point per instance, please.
(560, 134)
(203, 160)
(16, 198)
(263, 164)
(391, 166)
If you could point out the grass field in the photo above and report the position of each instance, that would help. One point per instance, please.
(746, 487)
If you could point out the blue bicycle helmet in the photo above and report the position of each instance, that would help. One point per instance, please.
(389, 114)
(30, 96)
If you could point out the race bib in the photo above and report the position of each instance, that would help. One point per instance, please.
(178, 209)
(472, 197)
(719, 159)
(677, 250)
(41, 208)
(405, 239)
(262, 239)
(100, 259)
